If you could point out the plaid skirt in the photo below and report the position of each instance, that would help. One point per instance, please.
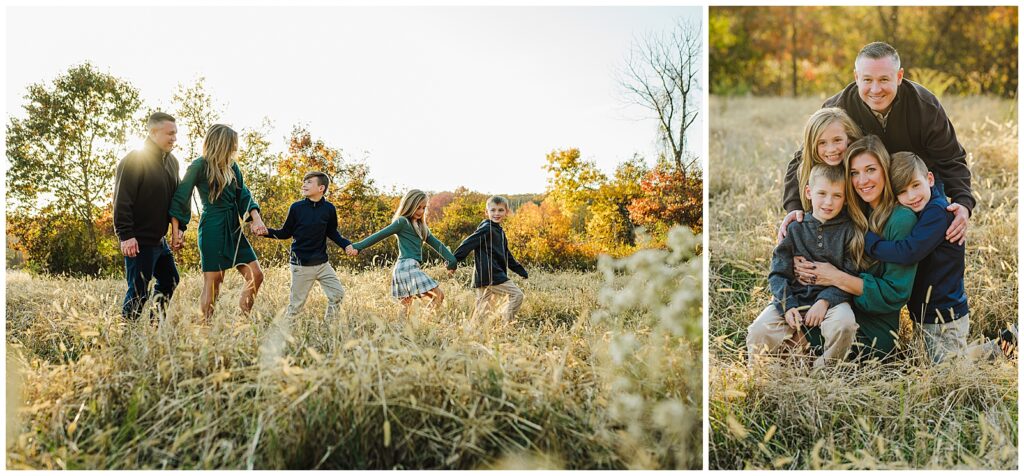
(408, 279)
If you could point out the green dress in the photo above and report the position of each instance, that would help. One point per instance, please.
(221, 242)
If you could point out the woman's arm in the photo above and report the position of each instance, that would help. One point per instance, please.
(180, 208)
(824, 273)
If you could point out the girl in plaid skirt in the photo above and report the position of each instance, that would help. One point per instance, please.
(409, 226)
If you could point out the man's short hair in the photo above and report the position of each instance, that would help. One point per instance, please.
(156, 118)
(904, 167)
(879, 50)
(498, 200)
(832, 173)
(321, 178)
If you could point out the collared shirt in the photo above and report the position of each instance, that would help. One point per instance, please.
(310, 224)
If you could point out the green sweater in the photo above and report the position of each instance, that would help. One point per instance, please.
(887, 288)
(410, 245)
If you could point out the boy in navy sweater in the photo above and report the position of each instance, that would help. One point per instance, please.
(938, 304)
(311, 221)
(493, 260)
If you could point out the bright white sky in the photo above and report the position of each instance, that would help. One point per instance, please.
(436, 97)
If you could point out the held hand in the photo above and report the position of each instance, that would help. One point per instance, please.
(177, 240)
(793, 318)
(451, 272)
(957, 232)
(258, 228)
(351, 251)
(795, 215)
(130, 247)
(816, 314)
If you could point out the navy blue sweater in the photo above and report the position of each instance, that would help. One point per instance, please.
(939, 285)
(493, 258)
(310, 224)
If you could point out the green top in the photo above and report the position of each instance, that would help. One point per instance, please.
(887, 288)
(410, 245)
(221, 242)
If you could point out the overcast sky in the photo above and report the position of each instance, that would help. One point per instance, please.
(434, 98)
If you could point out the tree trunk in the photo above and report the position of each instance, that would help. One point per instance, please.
(792, 47)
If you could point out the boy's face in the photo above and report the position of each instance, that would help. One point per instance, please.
(311, 188)
(827, 198)
(918, 193)
(496, 212)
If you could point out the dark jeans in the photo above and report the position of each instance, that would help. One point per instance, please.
(153, 261)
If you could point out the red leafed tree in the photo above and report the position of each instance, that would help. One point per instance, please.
(670, 196)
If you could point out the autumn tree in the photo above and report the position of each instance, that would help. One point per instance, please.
(572, 183)
(662, 74)
(610, 223)
(64, 150)
(669, 196)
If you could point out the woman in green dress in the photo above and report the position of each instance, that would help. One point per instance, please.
(225, 201)
(881, 289)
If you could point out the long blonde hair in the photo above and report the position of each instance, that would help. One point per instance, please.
(407, 207)
(856, 207)
(219, 149)
(816, 124)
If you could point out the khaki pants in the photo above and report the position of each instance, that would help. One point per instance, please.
(303, 278)
(487, 295)
(770, 331)
(949, 339)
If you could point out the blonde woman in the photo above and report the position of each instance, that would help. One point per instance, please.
(225, 200)
(409, 225)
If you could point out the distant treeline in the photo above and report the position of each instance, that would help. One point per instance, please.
(790, 51)
(61, 223)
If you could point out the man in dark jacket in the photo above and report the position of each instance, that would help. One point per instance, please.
(143, 186)
(493, 260)
(907, 117)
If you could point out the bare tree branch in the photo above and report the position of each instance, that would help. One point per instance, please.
(661, 74)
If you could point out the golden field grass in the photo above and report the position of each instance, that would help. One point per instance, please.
(897, 416)
(587, 376)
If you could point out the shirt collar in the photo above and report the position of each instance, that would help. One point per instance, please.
(151, 147)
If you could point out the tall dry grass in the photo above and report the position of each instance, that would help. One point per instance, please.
(902, 415)
(370, 390)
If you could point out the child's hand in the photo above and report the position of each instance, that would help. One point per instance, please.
(795, 215)
(816, 313)
(258, 228)
(793, 318)
(351, 251)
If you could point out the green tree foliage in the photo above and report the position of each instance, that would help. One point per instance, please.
(65, 149)
(810, 50)
(572, 183)
(610, 223)
(55, 241)
(461, 217)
